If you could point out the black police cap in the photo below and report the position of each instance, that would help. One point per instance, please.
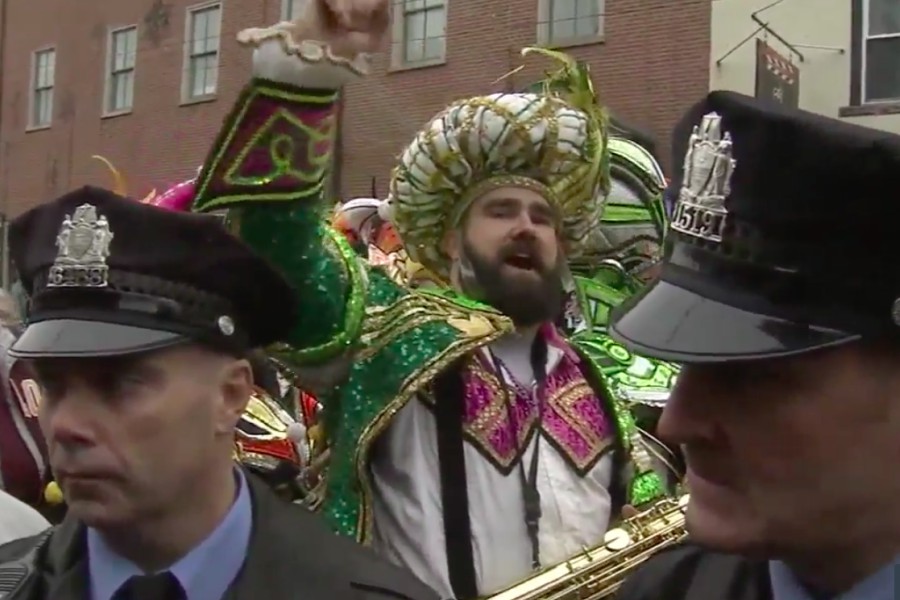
(783, 237)
(108, 276)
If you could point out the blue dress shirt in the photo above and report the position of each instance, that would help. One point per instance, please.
(205, 573)
(880, 586)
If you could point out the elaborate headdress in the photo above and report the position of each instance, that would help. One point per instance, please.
(554, 142)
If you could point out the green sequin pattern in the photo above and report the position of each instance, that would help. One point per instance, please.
(268, 167)
(392, 367)
(326, 275)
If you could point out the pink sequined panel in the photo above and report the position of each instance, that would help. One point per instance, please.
(573, 421)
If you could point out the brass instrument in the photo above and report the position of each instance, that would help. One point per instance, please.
(597, 573)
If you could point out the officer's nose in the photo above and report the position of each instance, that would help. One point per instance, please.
(67, 420)
(686, 415)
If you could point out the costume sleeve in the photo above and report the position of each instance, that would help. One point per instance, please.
(269, 168)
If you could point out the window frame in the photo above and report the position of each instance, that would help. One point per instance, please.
(187, 96)
(545, 27)
(399, 38)
(34, 90)
(865, 37)
(111, 72)
(287, 8)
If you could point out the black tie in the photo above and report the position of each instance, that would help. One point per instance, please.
(162, 586)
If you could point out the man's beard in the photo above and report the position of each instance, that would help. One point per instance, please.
(526, 300)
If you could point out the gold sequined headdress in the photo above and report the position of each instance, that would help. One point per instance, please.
(554, 142)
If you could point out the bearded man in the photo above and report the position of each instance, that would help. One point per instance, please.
(468, 440)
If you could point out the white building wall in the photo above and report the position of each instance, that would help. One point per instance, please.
(824, 74)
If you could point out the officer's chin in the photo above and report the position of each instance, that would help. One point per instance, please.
(101, 506)
(722, 519)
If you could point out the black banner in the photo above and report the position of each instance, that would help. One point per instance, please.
(777, 78)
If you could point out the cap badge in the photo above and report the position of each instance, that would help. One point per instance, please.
(895, 312)
(700, 211)
(82, 247)
(226, 325)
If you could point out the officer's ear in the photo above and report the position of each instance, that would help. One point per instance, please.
(235, 388)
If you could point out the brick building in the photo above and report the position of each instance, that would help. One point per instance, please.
(146, 83)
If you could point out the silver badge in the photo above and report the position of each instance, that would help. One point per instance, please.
(226, 325)
(708, 166)
(82, 249)
(895, 312)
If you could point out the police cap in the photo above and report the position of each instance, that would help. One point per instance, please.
(108, 275)
(783, 237)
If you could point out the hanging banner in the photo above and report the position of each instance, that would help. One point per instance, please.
(777, 78)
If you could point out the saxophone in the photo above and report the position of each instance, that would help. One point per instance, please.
(597, 573)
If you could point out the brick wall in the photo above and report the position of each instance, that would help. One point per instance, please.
(159, 143)
(654, 62)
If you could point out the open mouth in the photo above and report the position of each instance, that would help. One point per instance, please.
(523, 262)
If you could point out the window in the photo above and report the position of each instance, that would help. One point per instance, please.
(291, 9)
(202, 57)
(420, 32)
(120, 70)
(42, 78)
(563, 22)
(880, 51)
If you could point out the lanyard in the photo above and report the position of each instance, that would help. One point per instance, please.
(531, 495)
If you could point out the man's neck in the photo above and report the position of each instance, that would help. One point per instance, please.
(161, 542)
(836, 572)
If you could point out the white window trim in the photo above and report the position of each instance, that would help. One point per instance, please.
(545, 16)
(863, 66)
(108, 111)
(398, 40)
(186, 97)
(286, 6)
(32, 91)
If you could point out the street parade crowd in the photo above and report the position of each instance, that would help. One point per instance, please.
(539, 369)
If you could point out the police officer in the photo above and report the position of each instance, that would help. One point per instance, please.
(780, 292)
(140, 326)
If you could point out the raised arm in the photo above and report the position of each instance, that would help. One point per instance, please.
(269, 167)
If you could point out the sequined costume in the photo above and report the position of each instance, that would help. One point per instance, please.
(623, 252)
(376, 348)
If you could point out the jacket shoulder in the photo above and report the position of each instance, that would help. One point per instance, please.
(18, 562)
(367, 572)
(299, 545)
(19, 549)
(690, 572)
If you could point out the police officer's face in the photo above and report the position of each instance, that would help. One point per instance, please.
(509, 256)
(129, 439)
(789, 455)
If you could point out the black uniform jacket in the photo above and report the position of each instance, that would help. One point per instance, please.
(688, 572)
(292, 556)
